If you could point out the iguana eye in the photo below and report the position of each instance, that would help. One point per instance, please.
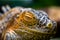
(28, 18)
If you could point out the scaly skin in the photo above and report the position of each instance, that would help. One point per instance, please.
(26, 24)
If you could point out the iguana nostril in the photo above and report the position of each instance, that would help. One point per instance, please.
(49, 25)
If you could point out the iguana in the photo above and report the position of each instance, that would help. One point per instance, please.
(20, 23)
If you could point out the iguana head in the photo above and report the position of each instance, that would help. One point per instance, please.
(26, 26)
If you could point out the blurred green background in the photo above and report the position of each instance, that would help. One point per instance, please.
(31, 3)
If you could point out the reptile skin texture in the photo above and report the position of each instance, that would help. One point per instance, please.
(20, 23)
